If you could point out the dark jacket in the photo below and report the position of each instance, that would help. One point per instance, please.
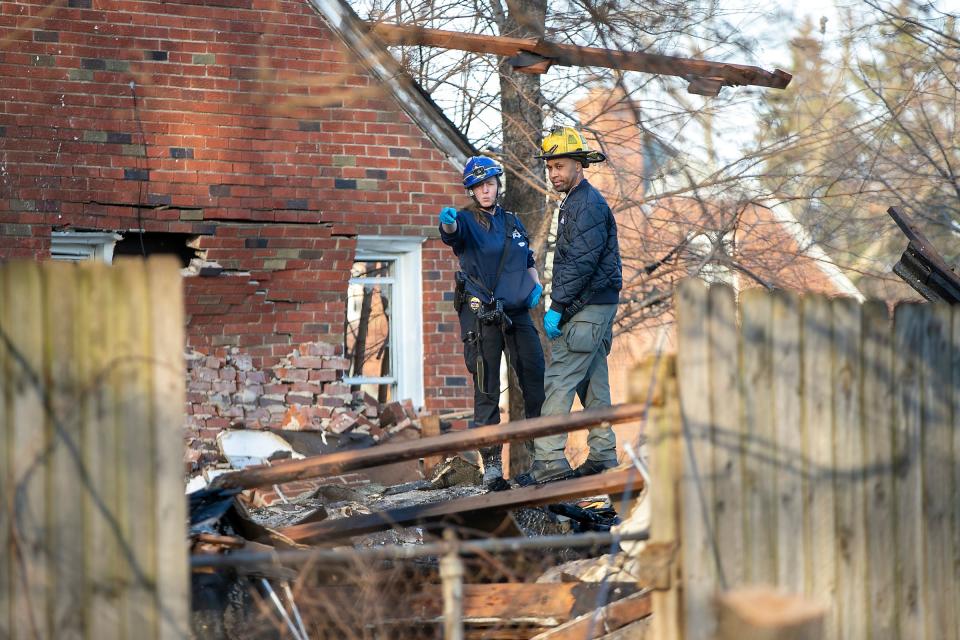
(479, 251)
(586, 263)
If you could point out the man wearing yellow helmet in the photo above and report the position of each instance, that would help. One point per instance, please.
(587, 278)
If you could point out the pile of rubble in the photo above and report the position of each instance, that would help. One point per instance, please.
(302, 392)
(513, 588)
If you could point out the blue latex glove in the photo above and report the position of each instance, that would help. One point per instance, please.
(551, 324)
(534, 296)
(448, 215)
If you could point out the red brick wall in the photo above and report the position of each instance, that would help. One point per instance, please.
(248, 125)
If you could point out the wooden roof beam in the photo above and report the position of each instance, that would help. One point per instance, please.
(343, 461)
(534, 55)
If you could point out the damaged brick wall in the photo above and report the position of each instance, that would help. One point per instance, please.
(163, 117)
(303, 391)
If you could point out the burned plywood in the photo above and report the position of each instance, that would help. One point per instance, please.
(922, 267)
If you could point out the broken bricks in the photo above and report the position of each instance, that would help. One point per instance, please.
(391, 414)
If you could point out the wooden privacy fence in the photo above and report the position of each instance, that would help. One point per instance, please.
(92, 518)
(814, 448)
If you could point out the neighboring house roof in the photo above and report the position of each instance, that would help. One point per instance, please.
(814, 251)
(412, 98)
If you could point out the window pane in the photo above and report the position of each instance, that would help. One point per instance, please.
(382, 392)
(372, 269)
(367, 335)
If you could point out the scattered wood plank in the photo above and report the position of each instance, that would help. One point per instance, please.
(610, 482)
(453, 416)
(342, 461)
(602, 621)
(639, 630)
(487, 605)
(546, 54)
(430, 427)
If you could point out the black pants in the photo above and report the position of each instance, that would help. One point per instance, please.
(523, 353)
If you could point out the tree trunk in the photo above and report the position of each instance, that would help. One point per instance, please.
(522, 118)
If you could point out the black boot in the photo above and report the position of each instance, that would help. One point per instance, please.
(592, 467)
(542, 471)
(493, 468)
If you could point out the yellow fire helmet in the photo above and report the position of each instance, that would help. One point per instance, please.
(566, 142)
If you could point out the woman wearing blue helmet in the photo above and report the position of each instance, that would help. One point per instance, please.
(496, 286)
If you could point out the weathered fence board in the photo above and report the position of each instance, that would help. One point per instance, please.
(937, 454)
(910, 326)
(955, 471)
(760, 509)
(698, 520)
(786, 358)
(727, 442)
(664, 508)
(819, 540)
(91, 396)
(848, 471)
(66, 503)
(166, 321)
(878, 465)
(6, 473)
(815, 452)
(28, 433)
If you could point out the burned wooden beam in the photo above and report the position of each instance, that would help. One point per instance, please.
(922, 267)
(534, 55)
(342, 461)
(605, 483)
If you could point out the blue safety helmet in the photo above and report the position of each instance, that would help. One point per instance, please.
(478, 169)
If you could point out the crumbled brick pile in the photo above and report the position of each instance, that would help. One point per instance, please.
(302, 392)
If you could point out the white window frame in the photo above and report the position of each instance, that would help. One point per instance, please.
(406, 321)
(78, 246)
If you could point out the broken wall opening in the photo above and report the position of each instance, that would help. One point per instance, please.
(152, 243)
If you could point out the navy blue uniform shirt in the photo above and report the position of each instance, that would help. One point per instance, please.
(479, 251)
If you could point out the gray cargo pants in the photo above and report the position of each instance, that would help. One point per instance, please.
(579, 366)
